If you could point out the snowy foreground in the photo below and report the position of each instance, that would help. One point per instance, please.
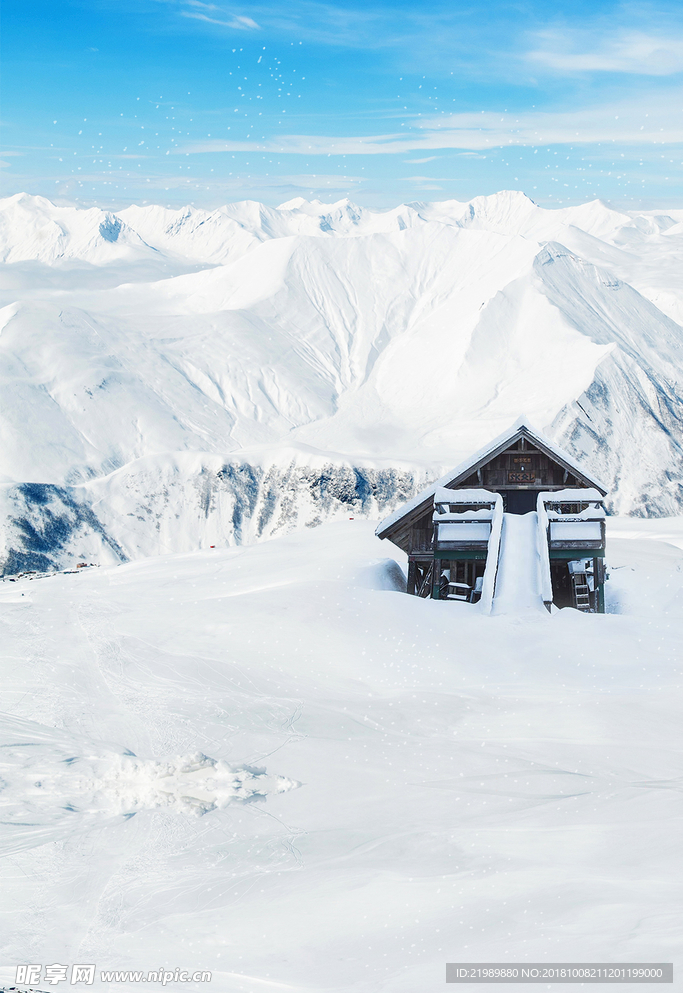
(337, 787)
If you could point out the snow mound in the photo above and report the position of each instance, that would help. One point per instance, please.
(192, 784)
(56, 784)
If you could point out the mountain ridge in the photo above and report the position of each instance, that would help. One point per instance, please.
(351, 337)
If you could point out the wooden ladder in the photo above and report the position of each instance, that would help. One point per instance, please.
(582, 593)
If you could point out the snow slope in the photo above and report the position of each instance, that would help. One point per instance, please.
(438, 785)
(518, 584)
(324, 334)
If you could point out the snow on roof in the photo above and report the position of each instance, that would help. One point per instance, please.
(518, 428)
(571, 495)
(444, 495)
(575, 531)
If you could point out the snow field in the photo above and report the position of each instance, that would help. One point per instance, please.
(472, 788)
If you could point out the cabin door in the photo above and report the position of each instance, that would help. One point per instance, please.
(520, 501)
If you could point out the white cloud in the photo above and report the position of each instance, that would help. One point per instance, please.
(237, 21)
(310, 181)
(624, 52)
(430, 158)
(628, 123)
(431, 179)
(229, 186)
(246, 21)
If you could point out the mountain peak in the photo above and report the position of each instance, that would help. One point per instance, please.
(316, 207)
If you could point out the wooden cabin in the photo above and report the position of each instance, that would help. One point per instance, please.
(451, 531)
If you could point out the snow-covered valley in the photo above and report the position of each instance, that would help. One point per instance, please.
(178, 379)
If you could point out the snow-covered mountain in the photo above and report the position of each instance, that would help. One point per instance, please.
(173, 379)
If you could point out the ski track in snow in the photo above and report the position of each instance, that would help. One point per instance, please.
(469, 787)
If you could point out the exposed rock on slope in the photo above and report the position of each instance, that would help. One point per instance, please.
(180, 503)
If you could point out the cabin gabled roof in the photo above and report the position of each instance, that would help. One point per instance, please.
(419, 505)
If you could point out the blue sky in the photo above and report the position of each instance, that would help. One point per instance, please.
(205, 101)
